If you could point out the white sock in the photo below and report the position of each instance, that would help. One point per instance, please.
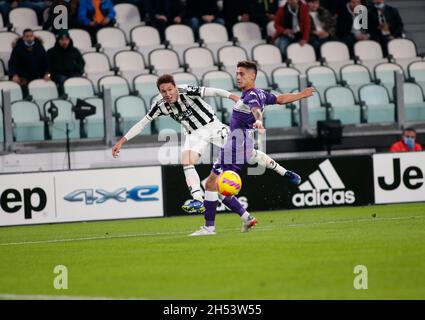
(245, 216)
(193, 182)
(264, 160)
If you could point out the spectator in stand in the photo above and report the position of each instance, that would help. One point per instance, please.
(200, 12)
(65, 60)
(262, 12)
(71, 6)
(292, 24)
(235, 11)
(322, 25)
(28, 60)
(346, 30)
(385, 23)
(37, 5)
(407, 142)
(163, 13)
(94, 15)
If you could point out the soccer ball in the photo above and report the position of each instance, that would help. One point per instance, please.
(229, 183)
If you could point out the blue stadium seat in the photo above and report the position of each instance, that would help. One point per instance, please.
(355, 76)
(26, 121)
(286, 79)
(95, 123)
(130, 110)
(145, 84)
(321, 78)
(384, 72)
(78, 88)
(57, 129)
(414, 102)
(417, 72)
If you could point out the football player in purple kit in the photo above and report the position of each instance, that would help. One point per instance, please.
(247, 116)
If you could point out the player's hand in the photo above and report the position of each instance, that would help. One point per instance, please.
(259, 126)
(308, 92)
(116, 149)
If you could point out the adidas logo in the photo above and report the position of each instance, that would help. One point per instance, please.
(323, 187)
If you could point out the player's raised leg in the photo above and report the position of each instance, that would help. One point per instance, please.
(210, 203)
(189, 159)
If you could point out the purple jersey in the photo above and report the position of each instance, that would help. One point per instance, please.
(242, 117)
(237, 151)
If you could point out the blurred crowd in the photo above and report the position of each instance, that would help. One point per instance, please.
(302, 21)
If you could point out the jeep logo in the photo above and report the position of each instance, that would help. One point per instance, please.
(11, 201)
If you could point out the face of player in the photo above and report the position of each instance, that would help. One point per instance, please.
(245, 78)
(169, 92)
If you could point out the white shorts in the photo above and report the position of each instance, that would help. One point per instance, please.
(214, 132)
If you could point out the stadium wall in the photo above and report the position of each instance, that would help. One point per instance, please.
(155, 191)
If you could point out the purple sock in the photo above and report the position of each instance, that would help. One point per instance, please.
(210, 209)
(233, 204)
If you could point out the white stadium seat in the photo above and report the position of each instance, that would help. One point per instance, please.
(417, 71)
(384, 72)
(336, 54)
(47, 37)
(6, 42)
(248, 34)
(186, 78)
(218, 79)
(146, 39)
(302, 57)
(23, 18)
(286, 79)
(130, 64)
(97, 66)
(164, 61)
(181, 37)
(214, 36)
(199, 60)
(268, 57)
(118, 86)
(42, 90)
(13, 87)
(130, 110)
(112, 40)
(403, 51)
(81, 39)
(369, 52)
(229, 56)
(127, 17)
(145, 84)
(78, 88)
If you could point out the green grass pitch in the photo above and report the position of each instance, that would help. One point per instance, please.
(298, 254)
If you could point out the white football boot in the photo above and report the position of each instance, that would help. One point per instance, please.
(204, 231)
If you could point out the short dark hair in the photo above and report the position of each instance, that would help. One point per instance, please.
(248, 65)
(166, 78)
(409, 129)
(27, 30)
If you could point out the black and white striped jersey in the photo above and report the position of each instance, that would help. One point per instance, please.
(190, 109)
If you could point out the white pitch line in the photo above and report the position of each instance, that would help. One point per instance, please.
(51, 297)
(259, 228)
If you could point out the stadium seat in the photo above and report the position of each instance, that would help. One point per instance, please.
(262, 80)
(214, 36)
(146, 39)
(277, 116)
(403, 51)
(376, 99)
(6, 42)
(95, 127)
(112, 40)
(47, 37)
(81, 39)
(186, 78)
(301, 57)
(316, 112)
(321, 77)
(127, 17)
(267, 56)
(229, 56)
(271, 30)
(145, 84)
(27, 124)
(369, 53)
(130, 64)
(3, 72)
(417, 72)
(218, 79)
(97, 66)
(336, 55)
(57, 128)
(23, 18)
(384, 72)
(164, 61)
(13, 87)
(2, 27)
(286, 79)
(181, 37)
(42, 90)
(355, 76)
(130, 110)
(414, 102)
(78, 88)
(248, 35)
(199, 60)
(224, 108)
(342, 105)
(118, 85)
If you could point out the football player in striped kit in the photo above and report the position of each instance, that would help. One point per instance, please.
(202, 127)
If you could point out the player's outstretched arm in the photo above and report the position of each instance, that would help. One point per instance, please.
(216, 92)
(291, 97)
(134, 131)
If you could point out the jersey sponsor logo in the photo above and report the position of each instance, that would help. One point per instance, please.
(99, 196)
(324, 187)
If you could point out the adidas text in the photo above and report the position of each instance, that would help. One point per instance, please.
(328, 197)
